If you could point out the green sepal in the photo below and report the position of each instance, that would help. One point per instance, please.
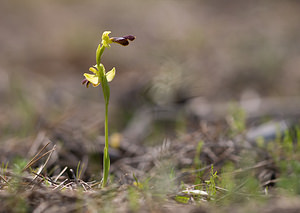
(110, 74)
(94, 79)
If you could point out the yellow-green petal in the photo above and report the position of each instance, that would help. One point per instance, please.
(92, 69)
(110, 75)
(105, 39)
(92, 78)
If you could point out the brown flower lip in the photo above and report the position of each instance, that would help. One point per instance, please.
(85, 82)
(123, 40)
(129, 37)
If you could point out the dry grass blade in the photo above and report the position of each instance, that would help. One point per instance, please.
(3, 179)
(45, 178)
(33, 162)
(50, 154)
(95, 184)
(183, 174)
(256, 166)
(35, 158)
(60, 174)
(61, 184)
(84, 185)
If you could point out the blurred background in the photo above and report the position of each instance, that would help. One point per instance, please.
(187, 56)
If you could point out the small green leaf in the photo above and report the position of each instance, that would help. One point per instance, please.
(182, 199)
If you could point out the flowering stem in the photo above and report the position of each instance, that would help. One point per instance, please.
(106, 160)
(106, 94)
(101, 77)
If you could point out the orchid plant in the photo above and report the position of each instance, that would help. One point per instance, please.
(101, 77)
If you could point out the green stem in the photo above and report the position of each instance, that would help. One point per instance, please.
(99, 53)
(106, 94)
(106, 125)
(106, 160)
